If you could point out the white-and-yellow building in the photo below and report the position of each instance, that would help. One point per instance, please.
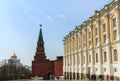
(93, 48)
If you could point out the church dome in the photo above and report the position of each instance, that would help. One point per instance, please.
(14, 56)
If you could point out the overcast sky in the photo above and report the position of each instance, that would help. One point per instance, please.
(20, 19)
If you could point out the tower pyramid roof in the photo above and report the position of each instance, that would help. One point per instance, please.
(40, 38)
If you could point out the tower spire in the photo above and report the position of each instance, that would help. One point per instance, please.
(40, 38)
(40, 53)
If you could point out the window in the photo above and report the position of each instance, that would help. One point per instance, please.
(114, 34)
(89, 58)
(115, 55)
(114, 22)
(74, 43)
(104, 27)
(79, 46)
(84, 37)
(104, 38)
(115, 69)
(84, 60)
(79, 43)
(105, 56)
(96, 41)
(96, 69)
(74, 60)
(96, 32)
(89, 34)
(78, 59)
(96, 57)
(84, 44)
(89, 43)
(105, 69)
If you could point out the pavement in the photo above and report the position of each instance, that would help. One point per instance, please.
(75, 80)
(64, 80)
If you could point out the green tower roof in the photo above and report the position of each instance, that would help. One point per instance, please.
(40, 38)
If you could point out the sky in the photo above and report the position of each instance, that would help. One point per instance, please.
(20, 20)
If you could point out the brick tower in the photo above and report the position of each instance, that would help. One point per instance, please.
(41, 67)
(40, 53)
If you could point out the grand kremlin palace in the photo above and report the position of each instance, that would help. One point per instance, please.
(93, 48)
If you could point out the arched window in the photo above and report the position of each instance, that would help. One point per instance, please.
(115, 55)
(96, 31)
(104, 27)
(89, 33)
(104, 38)
(89, 43)
(113, 21)
(114, 34)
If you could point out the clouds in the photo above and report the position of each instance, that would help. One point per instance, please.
(61, 16)
(49, 18)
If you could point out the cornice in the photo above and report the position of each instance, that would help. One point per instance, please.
(97, 14)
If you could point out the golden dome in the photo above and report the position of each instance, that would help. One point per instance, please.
(14, 55)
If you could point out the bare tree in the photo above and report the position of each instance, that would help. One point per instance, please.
(11, 71)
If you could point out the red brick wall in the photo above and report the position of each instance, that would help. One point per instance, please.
(41, 68)
(58, 68)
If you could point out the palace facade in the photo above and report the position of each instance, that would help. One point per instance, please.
(93, 48)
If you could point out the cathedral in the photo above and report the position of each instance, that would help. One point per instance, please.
(14, 60)
(92, 49)
(42, 67)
